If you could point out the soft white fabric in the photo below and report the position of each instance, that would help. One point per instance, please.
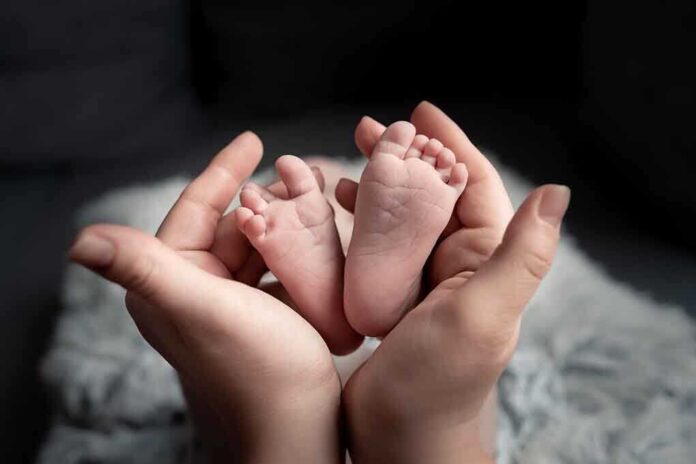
(603, 373)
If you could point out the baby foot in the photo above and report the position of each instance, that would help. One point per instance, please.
(296, 236)
(405, 199)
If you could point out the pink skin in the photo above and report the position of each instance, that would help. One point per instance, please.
(184, 298)
(405, 198)
(296, 236)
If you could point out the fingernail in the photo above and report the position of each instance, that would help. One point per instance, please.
(553, 204)
(92, 251)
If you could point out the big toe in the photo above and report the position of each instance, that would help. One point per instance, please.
(296, 175)
(396, 139)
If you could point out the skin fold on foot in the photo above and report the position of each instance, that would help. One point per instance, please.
(405, 198)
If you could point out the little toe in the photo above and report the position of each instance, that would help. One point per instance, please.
(458, 177)
(296, 175)
(396, 139)
(416, 148)
(251, 198)
(445, 161)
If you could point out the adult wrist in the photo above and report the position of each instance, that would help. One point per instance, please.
(376, 436)
(296, 427)
(297, 430)
(443, 446)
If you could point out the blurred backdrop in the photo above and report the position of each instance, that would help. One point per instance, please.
(96, 95)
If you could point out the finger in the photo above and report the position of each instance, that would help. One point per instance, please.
(278, 190)
(328, 171)
(493, 299)
(462, 250)
(192, 221)
(253, 270)
(434, 123)
(277, 290)
(233, 250)
(485, 202)
(231, 247)
(367, 134)
(207, 262)
(143, 264)
(175, 304)
(346, 193)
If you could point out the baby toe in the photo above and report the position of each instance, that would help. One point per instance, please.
(396, 140)
(445, 159)
(431, 151)
(416, 148)
(296, 175)
(251, 198)
(432, 148)
(420, 141)
(458, 177)
(242, 216)
(255, 227)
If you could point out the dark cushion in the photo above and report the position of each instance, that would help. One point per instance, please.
(93, 79)
(640, 80)
(276, 60)
(285, 58)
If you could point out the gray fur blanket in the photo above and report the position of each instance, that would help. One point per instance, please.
(603, 373)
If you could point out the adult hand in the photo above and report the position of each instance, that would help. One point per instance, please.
(429, 379)
(483, 210)
(254, 370)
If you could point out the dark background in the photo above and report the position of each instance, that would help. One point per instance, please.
(96, 95)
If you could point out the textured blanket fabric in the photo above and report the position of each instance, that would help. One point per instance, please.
(602, 374)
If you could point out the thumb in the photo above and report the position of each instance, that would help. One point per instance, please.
(138, 262)
(166, 291)
(493, 299)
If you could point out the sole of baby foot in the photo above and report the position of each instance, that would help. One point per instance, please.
(297, 238)
(406, 197)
